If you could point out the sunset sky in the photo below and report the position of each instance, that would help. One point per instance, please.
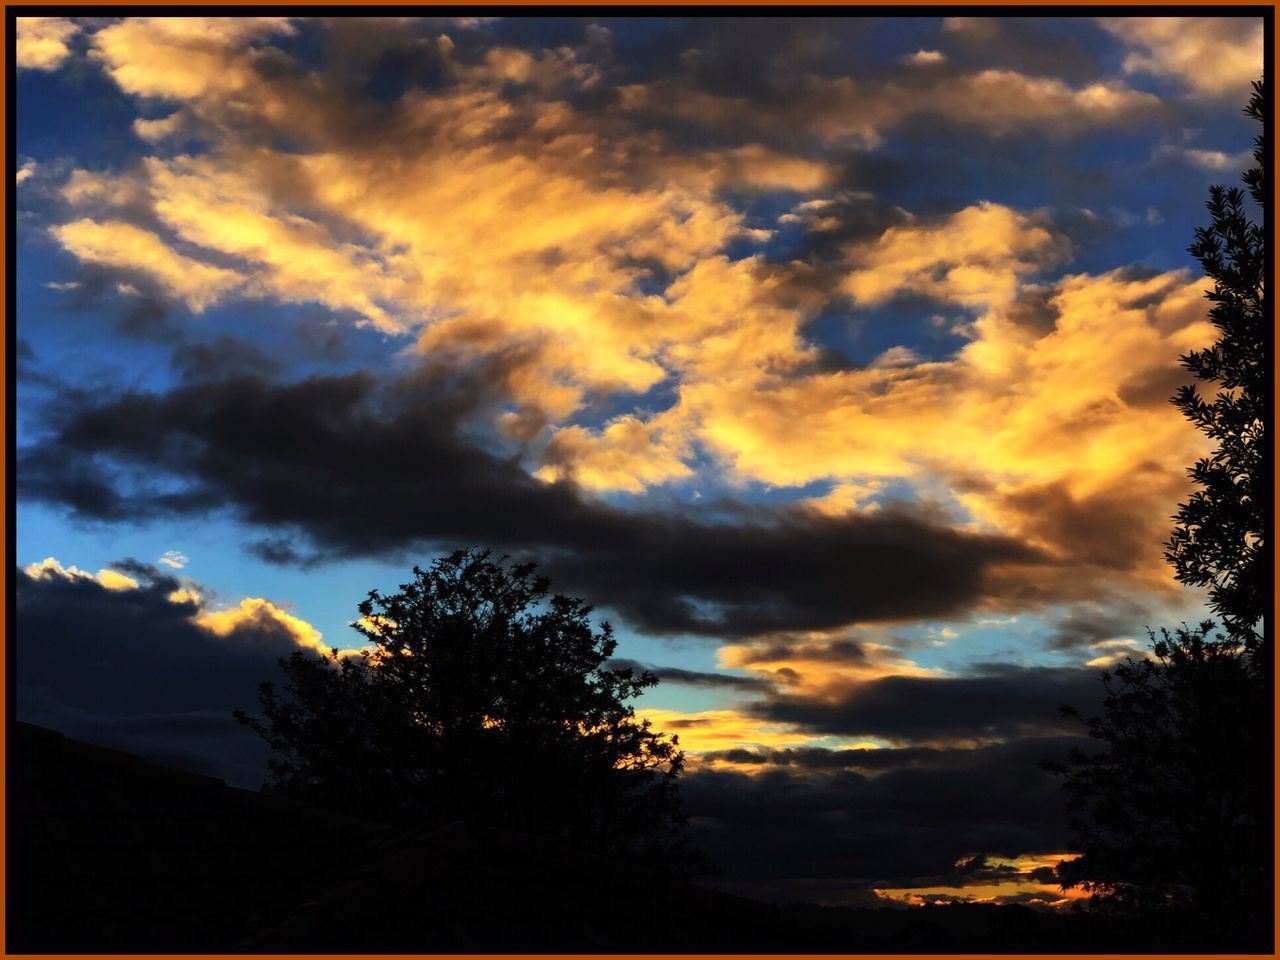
(829, 358)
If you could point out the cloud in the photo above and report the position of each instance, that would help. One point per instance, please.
(134, 669)
(114, 243)
(223, 356)
(842, 110)
(502, 216)
(26, 171)
(924, 58)
(626, 454)
(106, 578)
(1093, 623)
(606, 275)
(974, 257)
(564, 228)
(897, 357)
(175, 559)
(614, 279)
(255, 613)
(869, 760)
(705, 731)
(399, 229)
(995, 702)
(42, 42)
(817, 665)
(367, 469)
(1038, 46)
(133, 658)
(1213, 56)
(815, 834)
(1111, 652)
(1214, 160)
(184, 57)
(1051, 423)
(692, 678)
(1026, 879)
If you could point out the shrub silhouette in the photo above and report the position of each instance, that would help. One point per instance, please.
(481, 699)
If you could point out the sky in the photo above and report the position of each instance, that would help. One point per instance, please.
(830, 359)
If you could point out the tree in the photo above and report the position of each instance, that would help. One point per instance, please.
(1222, 531)
(480, 699)
(1176, 811)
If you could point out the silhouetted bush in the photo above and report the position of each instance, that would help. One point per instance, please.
(481, 699)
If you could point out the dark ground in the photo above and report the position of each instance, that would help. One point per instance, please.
(107, 853)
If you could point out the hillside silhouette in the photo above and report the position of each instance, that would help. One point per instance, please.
(119, 855)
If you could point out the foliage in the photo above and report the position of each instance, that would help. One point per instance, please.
(481, 699)
(1176, 811)
(1172, 812)
(1221, 534)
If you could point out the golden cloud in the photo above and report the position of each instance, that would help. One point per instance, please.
(182, 57)
(627, 454)
(590, 254)
(252, 612)
(1216, 56)
(106, 578)
(704, 731)
(976, 257)
(42, 42)
(1111, 652)
(121, 245)
(1018, 886)
(819, 665)
(255, 611)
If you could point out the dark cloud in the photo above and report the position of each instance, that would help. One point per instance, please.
(692, 678)
(758, 56)
(322, 337)
(146, 315)
(1086, 229)
(1101, 528)
(1002, 701)
(130, 304)
(779, 95)
(772, 649)
(823, 758)
(831, 225)
(1064, 48)
(1034, 310)
(1153, 387)
(129, 669)
(1090, 623)
(358, 469)
(222, 357)
(813, 830)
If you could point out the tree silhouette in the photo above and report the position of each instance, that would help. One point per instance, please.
(1173, 813)
(1176, 811)
(480, 699)
(1221, 532)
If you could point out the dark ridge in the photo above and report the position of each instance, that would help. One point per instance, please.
(108, 853)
